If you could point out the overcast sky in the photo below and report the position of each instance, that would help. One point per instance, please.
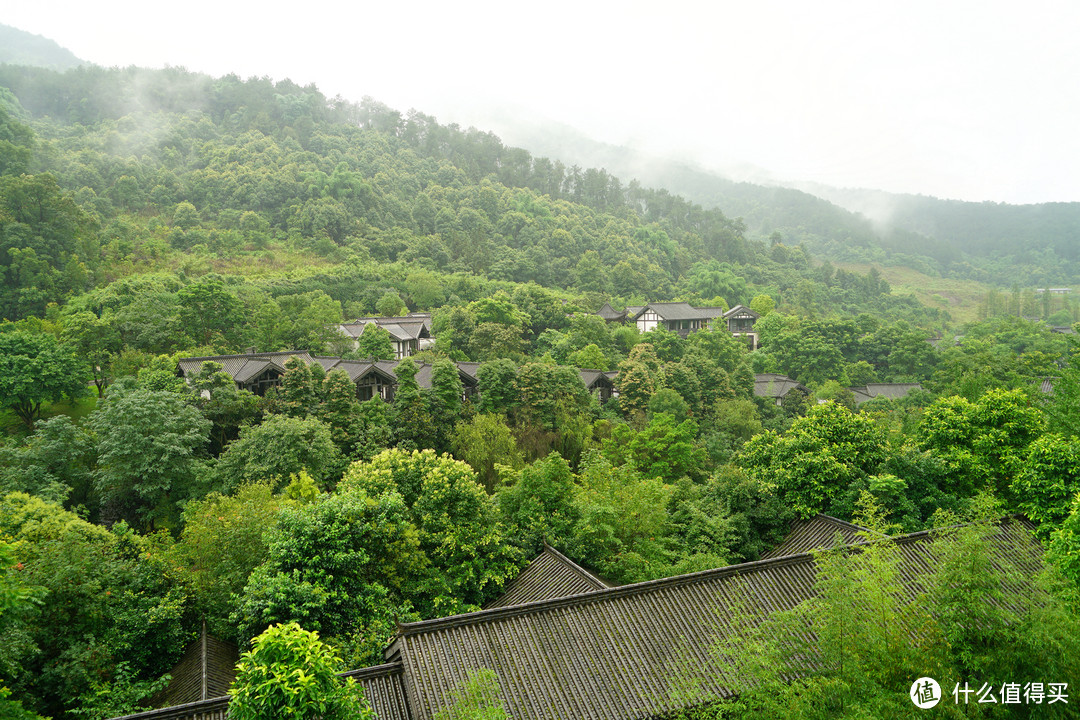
(952, 98)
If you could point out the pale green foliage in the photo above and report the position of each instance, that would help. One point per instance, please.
(590, 356)
(623, 525)
(762, 304)
(224, 539)
(540, 503)
(485, 442)
(290, 673)
(477, 698)
(850, 651)
(302, 488)
(1048, 480)
(818, 457)
(999, 615)
(1064, 550)
(664, 448)
(390, 305)
(982, 442)
(455, 522)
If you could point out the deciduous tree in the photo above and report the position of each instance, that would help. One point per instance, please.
(36, 369)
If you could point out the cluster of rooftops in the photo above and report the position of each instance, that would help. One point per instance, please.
(409, 334)
(565, 644)
(258, 372)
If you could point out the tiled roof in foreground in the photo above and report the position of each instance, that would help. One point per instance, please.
(610, 654)
(619, 653)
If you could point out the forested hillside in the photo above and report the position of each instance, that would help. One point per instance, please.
(152, 216)
(995, 243)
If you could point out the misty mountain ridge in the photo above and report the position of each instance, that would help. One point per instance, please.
(842, 224)
(18, 47)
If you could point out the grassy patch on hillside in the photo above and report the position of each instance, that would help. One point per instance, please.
(12, 426)
(960, 298)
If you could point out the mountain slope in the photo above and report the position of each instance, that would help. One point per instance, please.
(18, 47)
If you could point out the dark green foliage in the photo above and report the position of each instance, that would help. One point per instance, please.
(277, 449)
(216, 396)
(223, 540)
(540, 503)
(498, 386)
(340, 566)
(46, 246)
(56, 464)
(410, 417)
(108, 601)
(149, 445)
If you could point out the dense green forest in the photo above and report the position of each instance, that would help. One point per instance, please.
(147, 216)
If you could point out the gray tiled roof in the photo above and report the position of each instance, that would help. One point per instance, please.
(383, 689)
(617, 653)
(607, 654)
(681, 311)
(234, 364)
(893, 391)
(410, 327)
(590, 377)
(550, 575)
(742, 311)
(609, 313)
(206, 671)
(817, 533)
(774, 385)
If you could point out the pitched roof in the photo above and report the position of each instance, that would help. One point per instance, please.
(606, 654)
(618, 653)
(469, 368)
(893, 391)
(357, 369)
(591, 377)
(235, 364)
(609, 313)
(817, 533)
(550, 575)
(775, 386)
(680, 311)
(423, 375)
(384, 690)
(206, 671)
(741, 311)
